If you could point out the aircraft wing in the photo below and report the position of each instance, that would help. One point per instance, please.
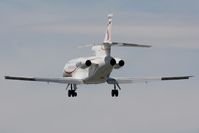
(63, 80)
(129, 45)
(143, 80)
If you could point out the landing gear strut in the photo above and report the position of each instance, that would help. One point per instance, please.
(72, 91)
(115, 92)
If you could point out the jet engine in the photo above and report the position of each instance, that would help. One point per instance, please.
(119, 63)
(84, 64)
(112, 62)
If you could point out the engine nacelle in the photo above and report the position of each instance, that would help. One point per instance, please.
(113, 62)
(119, 63)
(84, 64)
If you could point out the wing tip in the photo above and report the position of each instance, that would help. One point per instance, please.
(176, 78)
(6, 77)
(19, 78)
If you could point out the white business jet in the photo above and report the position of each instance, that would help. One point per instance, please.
(96, 69)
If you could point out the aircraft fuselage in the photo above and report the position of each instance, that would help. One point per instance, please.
(96, 72)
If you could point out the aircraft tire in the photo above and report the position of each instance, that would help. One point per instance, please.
(69, 93)
(112, 93)
(74, 93)
(116, 93)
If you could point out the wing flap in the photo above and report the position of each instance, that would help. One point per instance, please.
(64, 80)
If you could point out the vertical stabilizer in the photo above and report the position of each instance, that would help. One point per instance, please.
(105, 48)
(108, 35)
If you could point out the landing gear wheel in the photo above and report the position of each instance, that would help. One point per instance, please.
(74, 94)
(114, 93)
(72, 91)
(69, 93)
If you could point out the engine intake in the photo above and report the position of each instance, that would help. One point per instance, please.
(88, 63)
(85, 64)
(119, 63)
(112, 62)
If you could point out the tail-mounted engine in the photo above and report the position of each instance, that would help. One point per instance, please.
(84, 64)
(113, 62)
(119, 63)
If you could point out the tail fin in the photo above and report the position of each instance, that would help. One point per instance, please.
(108, 35)
(104, 49)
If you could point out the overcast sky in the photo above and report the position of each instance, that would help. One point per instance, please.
(37, 37)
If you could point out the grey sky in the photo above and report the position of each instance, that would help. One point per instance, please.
(38, 37)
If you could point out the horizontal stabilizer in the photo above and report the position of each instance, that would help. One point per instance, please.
(176, 78)
(129, 45)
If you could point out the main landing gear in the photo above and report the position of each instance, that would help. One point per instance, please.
(72, 91)
(73, 87)
(115, 92)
